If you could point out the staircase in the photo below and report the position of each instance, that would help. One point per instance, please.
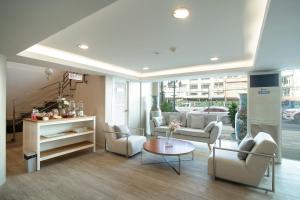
(44, 99)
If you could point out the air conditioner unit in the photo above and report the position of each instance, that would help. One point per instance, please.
(264, 105)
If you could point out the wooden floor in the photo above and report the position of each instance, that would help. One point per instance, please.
(102, 175)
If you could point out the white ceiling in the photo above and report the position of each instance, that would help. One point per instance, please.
(124, 36)
(128, 32)
(280, 42)
(25, 23)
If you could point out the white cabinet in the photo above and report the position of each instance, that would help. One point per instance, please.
(53, 138)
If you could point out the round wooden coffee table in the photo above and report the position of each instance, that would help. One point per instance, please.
(161, 146)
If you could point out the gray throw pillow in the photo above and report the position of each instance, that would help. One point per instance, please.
(157, 121)
(246, 145)
(209, 127)
(121, 130)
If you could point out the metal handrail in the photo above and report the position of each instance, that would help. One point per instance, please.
(59, 85)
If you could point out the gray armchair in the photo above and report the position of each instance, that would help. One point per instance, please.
(128, 145)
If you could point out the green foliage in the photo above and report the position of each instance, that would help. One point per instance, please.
(166, 106)
(233, 107)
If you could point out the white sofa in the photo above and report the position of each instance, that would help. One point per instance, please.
(225, 164)
(128, 145)
(193, 126)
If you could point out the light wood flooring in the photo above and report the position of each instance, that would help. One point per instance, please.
(101, 175)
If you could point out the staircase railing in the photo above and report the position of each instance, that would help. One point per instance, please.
(57, 88)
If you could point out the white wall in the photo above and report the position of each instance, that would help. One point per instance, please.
(2, 119)
(134, 104)
(92, 95)
(146, 105)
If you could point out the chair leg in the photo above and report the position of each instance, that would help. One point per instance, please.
(220, 141)
(209, 147)
(105, 145)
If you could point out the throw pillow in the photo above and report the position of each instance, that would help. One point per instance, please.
(197, 121)
(246, 145)
(209, 127)
(122, 131)
(157, 121)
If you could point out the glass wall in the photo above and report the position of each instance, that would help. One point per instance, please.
(205, 94)
(291, 114)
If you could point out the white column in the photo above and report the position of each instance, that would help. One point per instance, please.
(2, 119)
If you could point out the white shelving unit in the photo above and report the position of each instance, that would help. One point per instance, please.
(37, 137)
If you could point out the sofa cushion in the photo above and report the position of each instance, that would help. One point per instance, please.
(210, 126)
(174, 117)
(183, 118)
(246, 145)
(161, 129)
(122, 130)
(210, 117)
(197, 121)
(192, 132)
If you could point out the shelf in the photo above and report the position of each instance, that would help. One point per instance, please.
(52, 153)
(66, 135)
(60, 121)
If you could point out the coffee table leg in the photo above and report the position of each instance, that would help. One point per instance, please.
(179, 164)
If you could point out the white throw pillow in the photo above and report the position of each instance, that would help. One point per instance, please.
(209, 127)
(197, 121)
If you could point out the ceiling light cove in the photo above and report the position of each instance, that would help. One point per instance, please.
(214, 58)
(58, 56)
(181, 13)
(83, 46)
(146, 68)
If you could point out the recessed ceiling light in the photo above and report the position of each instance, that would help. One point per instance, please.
(83, 46)
(145, 68)
(214, 58)
(181, 13)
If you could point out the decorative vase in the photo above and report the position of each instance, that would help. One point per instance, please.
(169, 139)
(241, 119)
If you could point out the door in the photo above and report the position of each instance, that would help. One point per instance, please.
(120, 104)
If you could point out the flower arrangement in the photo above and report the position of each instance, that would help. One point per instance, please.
(63, 103)
(173, 125)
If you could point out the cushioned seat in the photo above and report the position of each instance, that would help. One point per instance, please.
(161, 129)
(134, 145)
(193, 132)
(194, 126)
(127, 145)
(250, 171)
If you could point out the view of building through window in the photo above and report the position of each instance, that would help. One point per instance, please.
(198, 94)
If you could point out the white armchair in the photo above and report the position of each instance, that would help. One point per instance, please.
(128, 145)
(224, 163)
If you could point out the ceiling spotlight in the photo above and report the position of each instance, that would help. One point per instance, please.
(214, 58)
(145, 68)
(83, 46)
(181, 13)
